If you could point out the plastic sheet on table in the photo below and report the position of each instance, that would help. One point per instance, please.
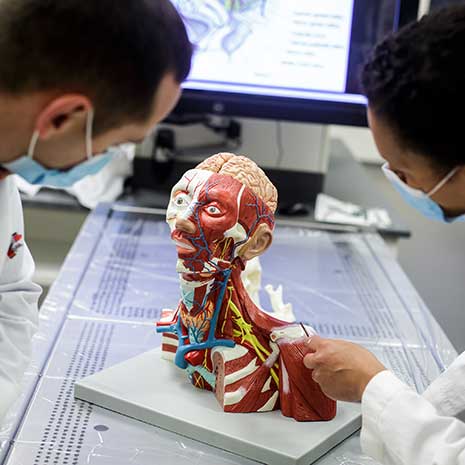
(168, 453)
(131, 274)
(58, 427)
(118, 277)
(88, 346)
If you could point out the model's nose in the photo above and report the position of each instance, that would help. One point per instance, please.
(185, 225)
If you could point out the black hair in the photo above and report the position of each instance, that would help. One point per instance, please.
(415, 82)
(114, 52)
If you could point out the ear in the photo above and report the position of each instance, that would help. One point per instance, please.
(258, 243)
(62, 115)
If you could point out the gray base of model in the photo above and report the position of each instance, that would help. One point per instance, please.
(154, 391)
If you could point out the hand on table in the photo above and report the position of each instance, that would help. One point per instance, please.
(342, 369)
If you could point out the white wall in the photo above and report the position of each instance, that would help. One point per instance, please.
(359, 141)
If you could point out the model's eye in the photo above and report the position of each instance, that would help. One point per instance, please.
(181, 200)
(212, 210)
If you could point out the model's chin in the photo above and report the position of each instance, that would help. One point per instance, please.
(191, 277)
(184, 252)
(193, 265)
(192, 268)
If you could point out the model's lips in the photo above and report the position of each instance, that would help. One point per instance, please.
(182, 245)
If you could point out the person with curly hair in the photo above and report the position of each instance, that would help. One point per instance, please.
(415, 85)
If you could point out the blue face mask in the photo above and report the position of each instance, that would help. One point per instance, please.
(420, 200)
(36, 174)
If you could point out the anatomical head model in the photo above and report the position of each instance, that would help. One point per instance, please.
(221, 215)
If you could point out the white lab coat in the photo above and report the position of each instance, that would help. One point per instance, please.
(18, 296)
(405, 428)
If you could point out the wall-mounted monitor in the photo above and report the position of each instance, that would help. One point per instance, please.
(297, 60)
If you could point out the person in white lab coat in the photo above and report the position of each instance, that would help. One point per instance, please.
(75, 78)
(415, 84)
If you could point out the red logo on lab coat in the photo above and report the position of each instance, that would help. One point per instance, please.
(16, 244)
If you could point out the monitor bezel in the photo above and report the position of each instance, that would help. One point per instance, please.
(194, 102)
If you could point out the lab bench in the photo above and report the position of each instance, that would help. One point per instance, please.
(118, 277)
